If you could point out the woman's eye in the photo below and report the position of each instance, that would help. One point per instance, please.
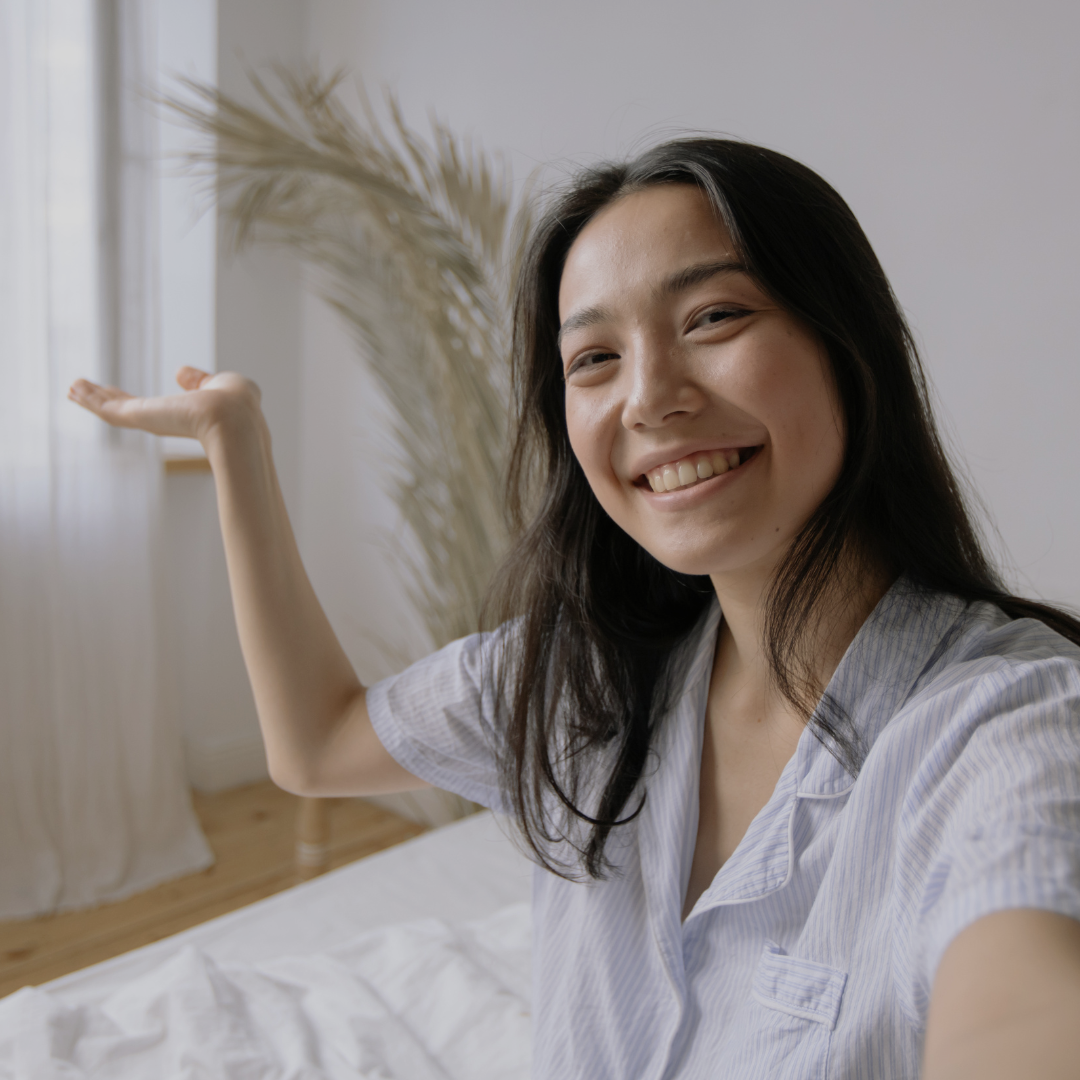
(715, 316)
(589, 360)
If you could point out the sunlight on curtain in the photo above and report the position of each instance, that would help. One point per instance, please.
(93, 800)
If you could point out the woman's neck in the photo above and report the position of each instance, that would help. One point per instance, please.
(843, 610)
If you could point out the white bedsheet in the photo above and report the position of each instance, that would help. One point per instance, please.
(418, 1001)
(462, 871)
(411, 964)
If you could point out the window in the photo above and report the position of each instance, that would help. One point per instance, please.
(187, 242)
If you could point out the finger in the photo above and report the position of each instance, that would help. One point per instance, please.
(159, 415)
(104, 401)
(191, 378)
(81, 388)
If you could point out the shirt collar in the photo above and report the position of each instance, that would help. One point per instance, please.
(893, 647)
(899, 641)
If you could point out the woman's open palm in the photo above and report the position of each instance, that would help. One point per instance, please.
(210, 400)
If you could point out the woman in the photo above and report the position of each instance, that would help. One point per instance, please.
(834, 830)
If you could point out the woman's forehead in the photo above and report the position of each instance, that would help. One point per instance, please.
(640, 241)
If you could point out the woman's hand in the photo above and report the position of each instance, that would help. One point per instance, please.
(212, 403)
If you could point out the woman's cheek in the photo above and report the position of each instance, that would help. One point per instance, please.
(589, 438)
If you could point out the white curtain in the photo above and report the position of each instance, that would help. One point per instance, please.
(94, 804)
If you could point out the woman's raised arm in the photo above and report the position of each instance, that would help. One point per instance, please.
(1006, 1000)
(319, 738)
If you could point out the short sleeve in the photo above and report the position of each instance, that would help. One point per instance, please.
(439, 718)
(1005, 812)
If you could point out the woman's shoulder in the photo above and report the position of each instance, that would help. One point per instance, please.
(995, 711)
(986, 653)
(995, 700)
(988, 746)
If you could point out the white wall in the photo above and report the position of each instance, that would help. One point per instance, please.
(952, 129)
(257, 332)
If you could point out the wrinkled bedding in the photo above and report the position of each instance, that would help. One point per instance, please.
(425, 1000)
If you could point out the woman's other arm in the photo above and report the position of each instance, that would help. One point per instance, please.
(1006, 1001)
(311, 706)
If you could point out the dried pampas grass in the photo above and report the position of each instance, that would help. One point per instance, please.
(416, 247)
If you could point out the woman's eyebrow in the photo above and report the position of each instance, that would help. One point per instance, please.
(580, 319)
(690, 276)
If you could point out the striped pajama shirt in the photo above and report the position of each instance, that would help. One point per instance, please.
(813, 951)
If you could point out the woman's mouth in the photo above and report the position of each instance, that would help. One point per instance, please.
(693, 469)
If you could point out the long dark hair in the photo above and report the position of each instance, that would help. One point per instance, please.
(597, 620)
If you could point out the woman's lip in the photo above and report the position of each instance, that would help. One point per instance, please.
(686, 496)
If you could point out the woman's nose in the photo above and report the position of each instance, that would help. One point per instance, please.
(659, 386)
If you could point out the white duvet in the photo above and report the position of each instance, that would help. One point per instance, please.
(419, 1001)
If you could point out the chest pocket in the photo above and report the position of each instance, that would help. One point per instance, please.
(789, 1020)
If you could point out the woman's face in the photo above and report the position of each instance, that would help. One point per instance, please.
(703, 415)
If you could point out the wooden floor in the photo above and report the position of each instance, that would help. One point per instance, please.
(252, 831)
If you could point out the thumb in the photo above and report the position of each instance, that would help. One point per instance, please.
(191, 378)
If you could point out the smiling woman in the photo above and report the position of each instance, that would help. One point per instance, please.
(801, 777)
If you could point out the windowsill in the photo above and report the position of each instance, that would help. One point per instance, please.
(188, 464)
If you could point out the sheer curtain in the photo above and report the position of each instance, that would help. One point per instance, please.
(94, 803)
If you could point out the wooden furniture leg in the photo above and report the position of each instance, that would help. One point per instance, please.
(312, 838)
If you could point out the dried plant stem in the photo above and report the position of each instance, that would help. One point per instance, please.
(416, 247)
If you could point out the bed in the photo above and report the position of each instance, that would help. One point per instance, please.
(412, 963)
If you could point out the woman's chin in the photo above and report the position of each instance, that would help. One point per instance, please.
(722, 560)
(692, 563)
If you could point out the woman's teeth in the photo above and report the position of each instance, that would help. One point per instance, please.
(690, 470)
